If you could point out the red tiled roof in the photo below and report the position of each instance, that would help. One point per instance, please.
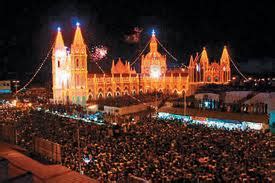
(19, 163)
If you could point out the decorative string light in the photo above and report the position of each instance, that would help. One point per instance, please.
(140, 53)
(237, 68)
(168, 52)
(37, 71)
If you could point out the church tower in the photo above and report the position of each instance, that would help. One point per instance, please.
(60, 70)
(203, 67)
(153, 63)
(79, 71)
(225, 66)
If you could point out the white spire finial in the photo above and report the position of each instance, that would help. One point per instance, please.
(153, 32)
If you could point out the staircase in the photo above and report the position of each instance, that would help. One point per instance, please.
(248, 97)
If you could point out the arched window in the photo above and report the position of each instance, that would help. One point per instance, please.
(83, 64)
(77, 63)
(58, 63)
(90, 98)
(109, 95)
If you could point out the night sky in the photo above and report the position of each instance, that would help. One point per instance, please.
(29, 28)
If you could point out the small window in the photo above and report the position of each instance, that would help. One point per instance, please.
(58, 63)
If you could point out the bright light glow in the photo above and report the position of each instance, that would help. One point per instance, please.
(153, 32)
(234, 78)
(86, 160)
(197, 68)
(58, 29)
(212, 122)
(92, 107)
(155, 71)
(207, 104)
(60, 53)
(77, 24)
(64, 76)
(14, 102)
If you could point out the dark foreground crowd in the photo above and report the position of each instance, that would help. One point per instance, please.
(154, 150)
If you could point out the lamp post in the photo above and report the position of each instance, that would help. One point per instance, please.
(184, 103)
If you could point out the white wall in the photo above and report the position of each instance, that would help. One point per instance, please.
(235, 96)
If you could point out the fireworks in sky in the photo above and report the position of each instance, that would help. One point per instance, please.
(134, 37)
(99, 52)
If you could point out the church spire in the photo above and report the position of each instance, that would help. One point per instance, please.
(59, 43)
(78, 39)
(225, 58)
(153, 42)
(191, 61)
(204, 58)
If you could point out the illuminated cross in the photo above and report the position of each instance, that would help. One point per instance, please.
(153, 32)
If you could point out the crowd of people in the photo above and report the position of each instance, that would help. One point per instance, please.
(152, 149)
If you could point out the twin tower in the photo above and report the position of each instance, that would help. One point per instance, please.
(69, 70)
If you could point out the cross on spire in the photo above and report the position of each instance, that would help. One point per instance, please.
(153, 32)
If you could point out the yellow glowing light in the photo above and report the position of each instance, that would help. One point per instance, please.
(92, 107)
(14, 102)
(29, 104)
